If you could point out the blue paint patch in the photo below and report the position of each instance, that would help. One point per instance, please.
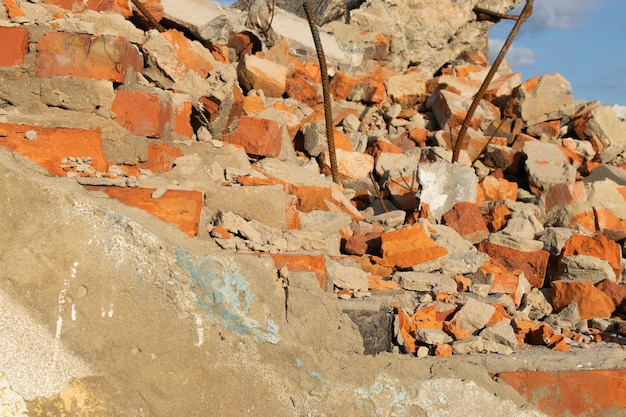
(224, 293)
(299, 362)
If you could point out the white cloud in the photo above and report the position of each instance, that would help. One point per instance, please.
(517, 56)
(559, 14)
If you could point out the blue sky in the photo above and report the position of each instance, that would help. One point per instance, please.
(583, 40)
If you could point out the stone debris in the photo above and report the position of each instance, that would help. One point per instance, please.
(521, 242)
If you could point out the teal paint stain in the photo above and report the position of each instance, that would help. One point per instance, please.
(316, 375)
(299, 362)
(224, 293)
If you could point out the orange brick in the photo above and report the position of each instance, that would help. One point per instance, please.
(455, 331)
(79, 6)
(143, 113)
(186, 55)
(443, 350)
(410, 246)
(179, 207)
(182, 119)
(592, 303)
(13, 10)
(253, 105)
(260, 137)
(571, 393)
(598, 246)
(14, 46)
(426, 318)
(52, 145)
(497, 189)
(101, 57)
(303, 262)
(299, 88)
(160, 157)
(341, 86)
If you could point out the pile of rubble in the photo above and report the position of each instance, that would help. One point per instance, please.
(216, 125)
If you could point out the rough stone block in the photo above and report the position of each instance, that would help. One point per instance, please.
(474, 315)
(143, 113)
(444, 185)
(406, 89)
(539, 99)
(601, 126)
(580, 267)
(547, 165)
(256, 73)
(14, 46)
(425, 282)
(376, 328)
(101, 57)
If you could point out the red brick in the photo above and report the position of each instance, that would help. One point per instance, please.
(260, 137)
(14, 46)
(160, 157)
(571, 393)
(533, 264)
(467, 220)
(100, 57)
(359, 244)
(243, 43)
(189, 59)
(311, 197)
(143, 113)
(52, 145)
(455, 331)
(410, 246)
(303, 262)
(592, 303)
(616, 292)
(179, 207)
(598, 246)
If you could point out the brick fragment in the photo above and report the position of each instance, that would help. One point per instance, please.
(14, 46)
(143, 113)
(161, 157)
(303, 262)
(51, 145)
(410, 246)
(101, 57)
(188, 58)
(260, 137)
(261, 74)
(598, 246)
(467, 220)
(592, 303)
(534, 264)
(558, 393)
(179, 207)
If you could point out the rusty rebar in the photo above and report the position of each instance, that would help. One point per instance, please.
(526, 12)
(148, 15)
(328, 113)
